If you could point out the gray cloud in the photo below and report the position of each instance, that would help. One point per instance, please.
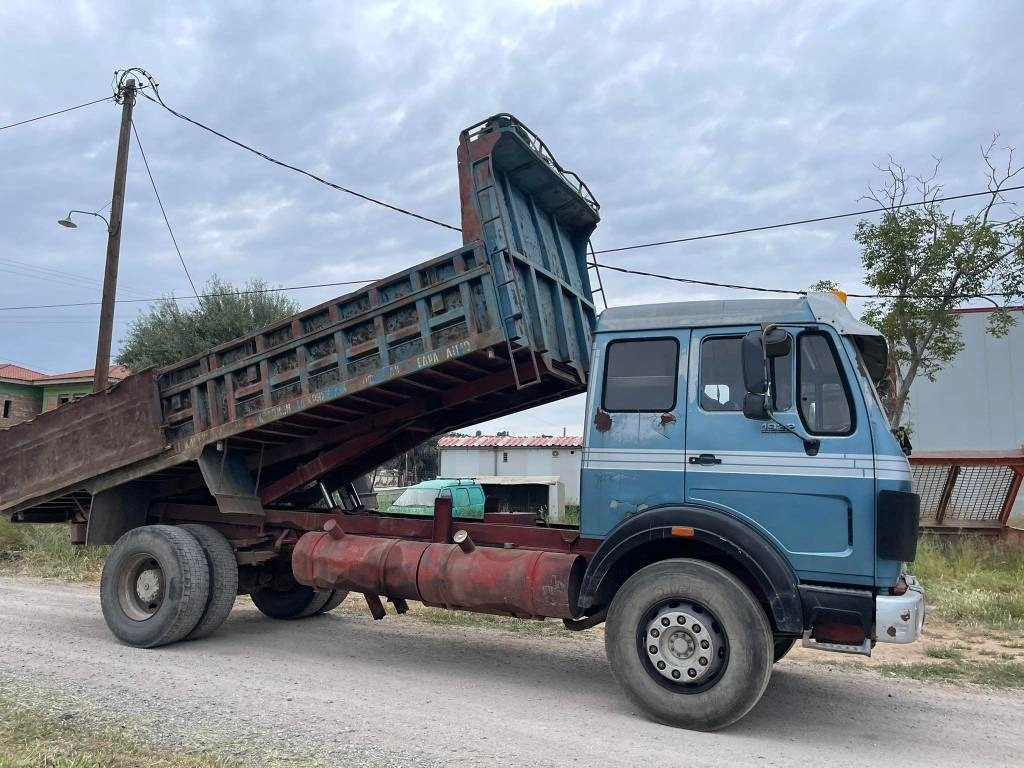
(684, 118)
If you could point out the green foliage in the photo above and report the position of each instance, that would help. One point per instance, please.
(996, 674)
(421, 463)
(168, 332)
(973, 582)
(926, 263)
(46, 551)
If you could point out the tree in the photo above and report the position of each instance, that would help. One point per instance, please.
(923, 262)
(168, 333)
(421, 463)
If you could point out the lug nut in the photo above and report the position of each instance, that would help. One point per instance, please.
(655, 632)
(705, 644)
(696, 629)
(703, 661)
(691, 672)
(661, 665)
(665, 622)
(653, 649)
(681, 619)
(675, 673)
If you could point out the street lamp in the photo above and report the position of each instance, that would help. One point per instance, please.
(67, 222)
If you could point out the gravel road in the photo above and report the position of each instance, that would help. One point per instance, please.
(405, 692)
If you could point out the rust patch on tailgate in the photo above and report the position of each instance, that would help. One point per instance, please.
(62, 449)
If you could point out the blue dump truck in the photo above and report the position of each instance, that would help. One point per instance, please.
(741, 489)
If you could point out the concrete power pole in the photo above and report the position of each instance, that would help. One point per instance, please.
(126, 93)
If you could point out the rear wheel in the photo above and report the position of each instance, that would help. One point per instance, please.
(220, 557)
(783, 645)
(337, 597)
(155, 586)
(290, 601)
(689, 644)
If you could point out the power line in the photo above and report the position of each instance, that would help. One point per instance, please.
(815, 220)
(53, 114)
(157, 99)
(197, 296)
(160, 202)
(761, 289)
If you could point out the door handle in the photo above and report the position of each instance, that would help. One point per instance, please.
(705, 459)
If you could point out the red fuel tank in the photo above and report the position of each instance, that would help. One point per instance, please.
(511, 582)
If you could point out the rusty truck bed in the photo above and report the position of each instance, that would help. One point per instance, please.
(500, 324)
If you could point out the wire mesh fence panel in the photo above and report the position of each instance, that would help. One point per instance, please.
(929, 480)
(980, 494)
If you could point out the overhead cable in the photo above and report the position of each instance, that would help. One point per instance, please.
(160, 202)
(53, 114)
(157, 99)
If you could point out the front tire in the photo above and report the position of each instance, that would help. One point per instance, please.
(155, 586)
(689, 644)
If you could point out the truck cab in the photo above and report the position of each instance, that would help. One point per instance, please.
(467, 498)
(816, 477)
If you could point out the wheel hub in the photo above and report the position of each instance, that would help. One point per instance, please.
(148, 586)
(140, 589)
(684, 643)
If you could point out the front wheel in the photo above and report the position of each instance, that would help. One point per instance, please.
(689, 644)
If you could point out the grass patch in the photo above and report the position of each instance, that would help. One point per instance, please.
(1003, 674)
(954, 652)
(32, 737)
(45, 551)
(974, 582)
(571, 516)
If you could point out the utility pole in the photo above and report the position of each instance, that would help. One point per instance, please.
(126, 94)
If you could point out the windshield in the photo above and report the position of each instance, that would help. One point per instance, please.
(417, 497)
(869, 387)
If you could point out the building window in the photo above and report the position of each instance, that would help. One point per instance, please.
(640, 376)
(7, 409)
(504, 457)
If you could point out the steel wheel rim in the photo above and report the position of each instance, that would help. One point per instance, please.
(141, 587)
(683, 645)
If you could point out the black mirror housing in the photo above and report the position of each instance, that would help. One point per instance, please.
(777, 343)
(753, 407)
(755, 379)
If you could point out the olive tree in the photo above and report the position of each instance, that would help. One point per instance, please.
(168, 332)
(924, 261)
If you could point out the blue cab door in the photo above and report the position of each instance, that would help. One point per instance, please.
(819, 510)
(636, 427)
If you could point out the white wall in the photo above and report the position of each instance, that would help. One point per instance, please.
(470, 462)
(977, 401)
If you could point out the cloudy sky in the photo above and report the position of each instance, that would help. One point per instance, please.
(684, 118)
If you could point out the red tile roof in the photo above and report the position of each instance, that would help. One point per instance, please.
(488, 441)
(18, 373)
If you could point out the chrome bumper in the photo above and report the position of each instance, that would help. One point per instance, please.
(900, 618)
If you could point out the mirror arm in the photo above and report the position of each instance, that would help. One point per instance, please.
(811, 444)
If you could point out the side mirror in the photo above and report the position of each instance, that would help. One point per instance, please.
(754, 408)
(755, 372)
(777, 343)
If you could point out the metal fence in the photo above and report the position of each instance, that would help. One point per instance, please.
(970, 491)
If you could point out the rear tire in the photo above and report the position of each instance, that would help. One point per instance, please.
(220, 557)
(296, 601)
(337, 597)
(689, 644)
(155, 586)
(783, 645)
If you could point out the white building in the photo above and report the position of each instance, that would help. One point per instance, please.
(976, 402)
(543, 457)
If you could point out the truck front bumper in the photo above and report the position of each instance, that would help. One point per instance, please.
(900, 618)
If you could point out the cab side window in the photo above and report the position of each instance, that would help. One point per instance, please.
(640, 375)
(721, 376)
(461, 498)
(825, 406)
